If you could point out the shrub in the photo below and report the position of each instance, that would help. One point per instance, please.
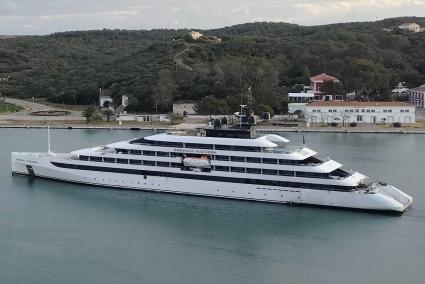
(396, 124)
(353, 124)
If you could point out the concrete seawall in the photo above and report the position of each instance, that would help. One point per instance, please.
(259, 129)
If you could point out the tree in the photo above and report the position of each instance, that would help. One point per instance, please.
(108, 112)
(331, 88)
(89, 113)
(164, 90)
(212, 105)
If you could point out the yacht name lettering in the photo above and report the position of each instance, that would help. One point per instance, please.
(197, 151)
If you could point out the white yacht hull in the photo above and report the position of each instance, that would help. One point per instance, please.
(385, 198)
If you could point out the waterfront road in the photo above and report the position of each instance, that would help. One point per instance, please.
(31, 107)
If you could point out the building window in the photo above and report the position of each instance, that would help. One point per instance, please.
(372, 110)
(319, 110)
(334, 110)
(330, 110)
(362, 110)
(314, 110)
(368, 110)
(359, 118)
(357, 110)
(390, 110)
(385, 110)
(351, 110)
(402, 110)
(406, 110)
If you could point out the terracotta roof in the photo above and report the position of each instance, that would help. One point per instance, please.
(419, 89)
(356, 104)
(323, 77)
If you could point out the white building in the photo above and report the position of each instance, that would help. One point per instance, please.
(184, 107)
(416, 96)
(412, 27)
(195, 35)
(360, 112)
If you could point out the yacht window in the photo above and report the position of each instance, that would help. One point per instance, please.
(221, 158)
(223, 147)
(84, 158)
(149, 163)
(253, 160)
(96, 159)
(237, 169)
(122, 161)
(121, 151)
(253, 171)
(269, 172)
(220, 168)
(237, 159)
(109, 160)
(135, 162)
(162, 164)
(199, 146)
(175, 165)
(135, 152)
(286, 173)
(149, 153)
(269, 161)
(163, 154)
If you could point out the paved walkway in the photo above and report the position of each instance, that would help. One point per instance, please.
(31, 107)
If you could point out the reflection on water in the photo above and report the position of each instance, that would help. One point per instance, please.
(60, 232)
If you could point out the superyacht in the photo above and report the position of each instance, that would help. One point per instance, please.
(217, 162)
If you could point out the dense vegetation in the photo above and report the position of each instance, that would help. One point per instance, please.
(6, 107)
(271, 58)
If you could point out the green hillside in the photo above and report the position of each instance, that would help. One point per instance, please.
(270, 57)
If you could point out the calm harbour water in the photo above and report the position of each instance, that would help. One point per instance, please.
(53, 232)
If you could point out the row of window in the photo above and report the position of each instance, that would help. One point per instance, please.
(143, 141)
(310, 160)
(129, 161)
(360, 110)
(216, 168)
(207, 177)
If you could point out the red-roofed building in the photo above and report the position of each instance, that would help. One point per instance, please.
(297, 101)
(316, 82)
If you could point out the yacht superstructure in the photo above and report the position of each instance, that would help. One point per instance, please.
(227, 163)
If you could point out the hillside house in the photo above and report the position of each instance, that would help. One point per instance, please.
(412, 27)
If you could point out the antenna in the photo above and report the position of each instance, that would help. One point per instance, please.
(48, 141)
